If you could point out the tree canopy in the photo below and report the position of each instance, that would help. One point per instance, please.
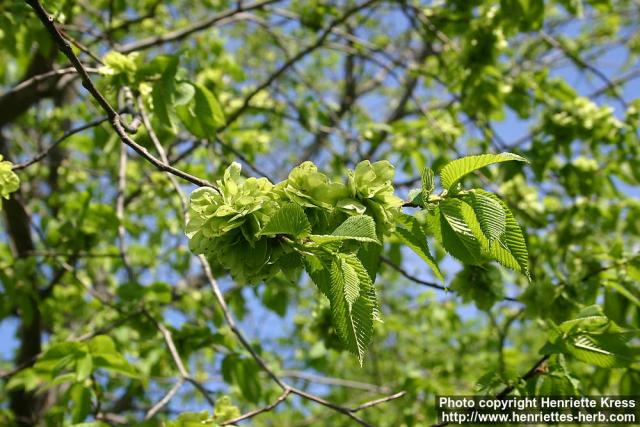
(291, 213)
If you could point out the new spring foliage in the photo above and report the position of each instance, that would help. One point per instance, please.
(334, 230)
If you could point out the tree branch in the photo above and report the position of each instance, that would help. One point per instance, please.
(286, 388)
(252, 414)
(42, 154)
(198, 26)
(424, 282)
(294, 59)
(112, 114)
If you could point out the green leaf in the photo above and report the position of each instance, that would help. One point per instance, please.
(81, 398)
(193, 419)
(225, 410)
(457, 238)
(480, 284)
(556, 384)
(369, 256)
(452, 172)
(513, 254)
(353, 321)
(59, 355)
(593, 338)
(414, 237)
(105, 355)
(350, 280)
(289, 219)
(116, 63)
(361, 228)
(9, 181)
(244, 373)
(102, 344)
(163, 94)
(367, 289)
(84, 367)
(203, 115)
(629, 383)
(428, 185)
(589, 349)
(91, 424)
(622, 290)
(319, 273)
(511, 251)
(491, 215)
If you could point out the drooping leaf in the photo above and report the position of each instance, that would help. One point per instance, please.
(513, 253)
(319, 273)
(452, 172)
(81, 398)
(428, 185)
(456, 237)
(414, 237)
(244, 373)
(361, 228)
(594, 338)
(203, 115)
(354, 322)
(163, 94)
(289, 219)
(556, 384)
(367, 289)
(9, 181)
(349, 277)
(499, 251)
(369, 256)
(481, 284)
(105, 355)
(84, 367)
(490, 214)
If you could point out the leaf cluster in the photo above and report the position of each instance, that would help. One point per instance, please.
(334, 230)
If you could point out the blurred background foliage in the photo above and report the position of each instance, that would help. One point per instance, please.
(271, 84)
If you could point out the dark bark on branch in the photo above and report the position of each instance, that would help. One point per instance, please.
(14, 103)
(114, 117)
(22, 403)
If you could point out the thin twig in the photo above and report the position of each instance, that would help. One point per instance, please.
(338, 408)
(375, 402)
(242, 158)
(122, 232)
(42, 154)
(424, 282)
(161, 151)
(165, 399)
(177, 359)
(294, 59)
(45, 76)
(552, 41)
(168, 339)
(335, 381)
(252, 414)
(198, 26)
(84, 337)
(413, 278)
(535, 370)
(112, 114)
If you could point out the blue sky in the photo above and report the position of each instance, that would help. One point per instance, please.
(510, 129)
